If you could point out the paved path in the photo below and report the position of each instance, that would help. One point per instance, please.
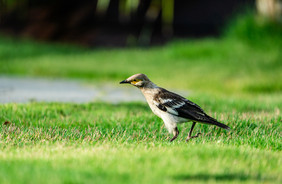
(23, 90)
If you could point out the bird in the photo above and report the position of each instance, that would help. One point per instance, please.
(172, 108)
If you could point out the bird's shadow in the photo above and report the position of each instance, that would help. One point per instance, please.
(221, 177)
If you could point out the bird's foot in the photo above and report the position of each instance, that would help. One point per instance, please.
(191, 137)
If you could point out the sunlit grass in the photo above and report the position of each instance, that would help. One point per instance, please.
(126, 143)
(143, 163)
(126, 123)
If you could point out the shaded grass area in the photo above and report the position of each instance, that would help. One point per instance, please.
(257, 31)
(126, 143)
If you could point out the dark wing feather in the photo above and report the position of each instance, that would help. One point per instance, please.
(181, 107)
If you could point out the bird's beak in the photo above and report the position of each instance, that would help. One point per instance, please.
(124, 82)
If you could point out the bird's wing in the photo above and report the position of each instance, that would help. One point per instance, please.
(179, 106)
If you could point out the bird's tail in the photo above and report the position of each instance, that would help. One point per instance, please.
(213, 121)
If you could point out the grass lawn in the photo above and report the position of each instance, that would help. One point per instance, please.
(126, 143)
(234, 81)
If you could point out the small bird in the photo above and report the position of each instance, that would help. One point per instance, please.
(172, 108)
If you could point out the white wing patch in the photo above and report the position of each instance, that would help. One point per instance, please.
(170, 104)
(178, 105)
(172, 111)
(165, 100)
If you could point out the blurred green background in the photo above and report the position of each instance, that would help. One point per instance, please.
(245, 59)
(243, 55)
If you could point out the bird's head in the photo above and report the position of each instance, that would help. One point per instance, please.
(138, 80)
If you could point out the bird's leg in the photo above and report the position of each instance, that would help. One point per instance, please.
(175, 134)
(190, 132)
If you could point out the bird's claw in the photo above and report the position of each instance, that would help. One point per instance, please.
(191, 137)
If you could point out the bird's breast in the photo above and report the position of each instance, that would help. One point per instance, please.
(149, 96)
(155, 109)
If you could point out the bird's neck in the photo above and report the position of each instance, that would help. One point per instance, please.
(148, 87)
